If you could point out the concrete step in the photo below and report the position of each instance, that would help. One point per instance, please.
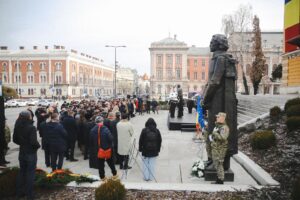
(188, 129)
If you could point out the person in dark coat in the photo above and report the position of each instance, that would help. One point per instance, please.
(114, 133)
(148, 105)
(90, 124)
(56, 139)
(70, 126)
(154, 105)
(41, 115)
(45, 144)
(149, 145)
(105, 143)
(82, 129)
(26, 137)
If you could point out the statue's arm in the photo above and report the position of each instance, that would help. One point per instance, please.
(215, 80)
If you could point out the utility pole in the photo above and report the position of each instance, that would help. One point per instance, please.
(115, 76)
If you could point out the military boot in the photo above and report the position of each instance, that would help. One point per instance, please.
(218, 181)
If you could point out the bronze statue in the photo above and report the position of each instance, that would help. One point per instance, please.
(180, 101)
(219, 94)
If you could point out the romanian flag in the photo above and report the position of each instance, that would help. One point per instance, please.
(199, 119)
(291, 25)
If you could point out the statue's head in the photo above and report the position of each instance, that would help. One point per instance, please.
(218, 42)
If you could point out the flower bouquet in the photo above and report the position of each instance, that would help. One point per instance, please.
(198, 168)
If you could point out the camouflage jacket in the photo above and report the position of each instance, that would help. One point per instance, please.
(220, 135)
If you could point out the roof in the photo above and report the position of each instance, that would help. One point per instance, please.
(169, 42)
(196, 51)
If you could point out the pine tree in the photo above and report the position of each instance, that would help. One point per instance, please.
(257, 68)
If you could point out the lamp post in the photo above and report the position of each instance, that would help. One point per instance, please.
(115, 77)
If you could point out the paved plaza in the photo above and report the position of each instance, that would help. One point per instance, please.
(173, 165)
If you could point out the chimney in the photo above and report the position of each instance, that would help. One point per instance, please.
(46, 47)
(3, 48)
(175, 36)
(35, 47)
(21, 47)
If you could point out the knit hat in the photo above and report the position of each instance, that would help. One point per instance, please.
(99, 119)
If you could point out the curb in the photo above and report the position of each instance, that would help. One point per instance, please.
(258, 173)
(175, 186)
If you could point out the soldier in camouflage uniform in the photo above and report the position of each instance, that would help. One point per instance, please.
(219, 144)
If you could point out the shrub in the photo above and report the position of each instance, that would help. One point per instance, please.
(111, 190)
(296, 190)
(293, 123)
(263, 140)
(291, 102)
(293, 111)
(274, 113)
(8, 182)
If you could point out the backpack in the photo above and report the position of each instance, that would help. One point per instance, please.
(151, 141)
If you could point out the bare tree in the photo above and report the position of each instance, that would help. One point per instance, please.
(236, 27)
(258, 64)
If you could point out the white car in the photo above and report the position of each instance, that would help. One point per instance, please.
(16, 103)
(32, 102)
(46, 102)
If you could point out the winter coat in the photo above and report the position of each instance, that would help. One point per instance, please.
(105, 143)
(54, 136)
(150, 142)
(25, 136)
(7, 134)
(70, 125)
(125, 136)
(114, 132)
(82, 131)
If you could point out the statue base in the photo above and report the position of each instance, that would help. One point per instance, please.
(186, 123)
(211, 175)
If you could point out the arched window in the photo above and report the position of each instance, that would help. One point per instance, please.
(195, 87)
(29, 66)
(17, 66)
(4, 66)
(4, 78)
(58, 66)
(42, 66)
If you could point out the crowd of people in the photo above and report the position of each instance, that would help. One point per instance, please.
(94, 126)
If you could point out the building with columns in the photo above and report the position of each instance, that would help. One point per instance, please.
(240, 46)
(174, 63)
(127, 81)
(54, 72)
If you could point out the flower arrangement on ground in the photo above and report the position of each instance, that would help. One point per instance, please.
(198, 168)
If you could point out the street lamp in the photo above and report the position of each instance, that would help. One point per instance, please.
(115, 78)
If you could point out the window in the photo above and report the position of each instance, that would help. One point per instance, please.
(195, 87)
(178, 60)
(159, 89)
(4, 78)
(159, 74)
(73, 79)
(17, 78)
(43, 79)
(30, 79)
(178, 73)
(4, 66)
(203, 62)
(195, 62)
(169, 60)
(203, 75)
(29, 66)
(159, 59)
(58, 79)
(266, 70)
(58, 91)
(43, 91)
(188, 75)
(58, 66)
(188, 62)
(195, 76)
(17, 66)
(74, 67)
(30, 91)
(42, 66)
(169, 73)
(73, 91)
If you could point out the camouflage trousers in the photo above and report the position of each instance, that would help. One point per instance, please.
(219, 168)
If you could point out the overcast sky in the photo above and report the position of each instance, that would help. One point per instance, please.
(89, 25)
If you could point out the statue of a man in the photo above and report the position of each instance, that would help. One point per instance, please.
(180, 101)
(219, 94)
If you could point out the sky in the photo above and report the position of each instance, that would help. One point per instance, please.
(89, 25)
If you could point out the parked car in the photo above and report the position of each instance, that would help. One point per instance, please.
(32, 102)
(16, 103)
(46, 102)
